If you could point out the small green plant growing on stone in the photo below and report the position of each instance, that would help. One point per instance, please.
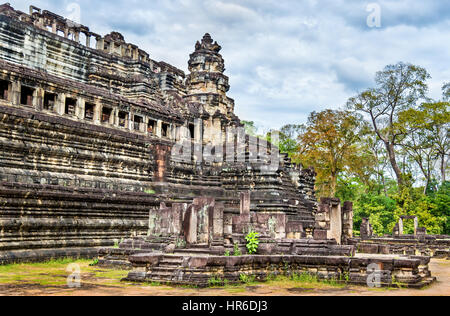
(227, 253)
(272, 276)
(252, 242)
(345, 276)
(94, 263)
(116, 244)
(237, 251)
(246, 279)
(180, 243)
(215, 281)
(396, 284)
(304, 277)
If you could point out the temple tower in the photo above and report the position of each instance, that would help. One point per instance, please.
(207, 86)
(207, 79)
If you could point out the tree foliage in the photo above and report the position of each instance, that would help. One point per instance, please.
(250, 128)
(426, 139)
(388, 153)
(289, 139)
(329, 143)
(398, 88)
(446, 91)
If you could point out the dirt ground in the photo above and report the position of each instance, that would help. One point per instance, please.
(50, 279)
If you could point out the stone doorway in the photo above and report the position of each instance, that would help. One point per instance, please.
(203, 222)
(336, 222)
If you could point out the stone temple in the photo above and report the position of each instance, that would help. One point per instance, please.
(88, 135)
(101, 145)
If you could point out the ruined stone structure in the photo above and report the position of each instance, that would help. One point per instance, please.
(334, 220)
(417, 244)
(94, 134)
(100, 144)
(203, 228)
(171, 253)
(195, 270)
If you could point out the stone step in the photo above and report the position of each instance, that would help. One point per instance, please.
(192, 252)
(164, 269)
(165, 262)
(199, 246)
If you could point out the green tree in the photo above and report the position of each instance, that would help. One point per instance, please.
(398, 88)
(329, 143)
(412, 202)
(289, 139)
(380, 210)
(427, 137)
(441, 205)
(250, 128)
(446, 91)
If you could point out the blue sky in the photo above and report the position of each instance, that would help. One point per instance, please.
(284, 58)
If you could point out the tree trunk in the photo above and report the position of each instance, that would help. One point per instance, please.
(398, 173)
(333, 184)
(443, 168)
(384, 186)
(426, 187)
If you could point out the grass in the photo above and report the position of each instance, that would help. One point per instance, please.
(41, 265)
(304, 280)
(54, 273)
(152, 284)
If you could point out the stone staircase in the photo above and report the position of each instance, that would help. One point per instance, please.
(168, 270)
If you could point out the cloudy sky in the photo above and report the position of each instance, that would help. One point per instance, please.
(285, 58)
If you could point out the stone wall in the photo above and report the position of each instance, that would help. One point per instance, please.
(199, 271)
(429, 245)
(419, 244)
(86, 187)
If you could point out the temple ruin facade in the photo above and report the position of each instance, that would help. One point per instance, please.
(106, 152)
(94, 134)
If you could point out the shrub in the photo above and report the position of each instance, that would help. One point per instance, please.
(247, 278)
(252, 242)
(237, 251)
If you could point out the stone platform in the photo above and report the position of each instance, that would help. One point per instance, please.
(200, 270)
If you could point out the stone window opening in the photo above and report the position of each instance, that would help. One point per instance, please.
(123, 119)
(192, 131)
(26, 96)
(151, 127)
(4, 88)
(106, 115)
(92, 43)
(89, 109)
(165, 130)
(82, 38)
(49, 101)
(70, 106)
(138, 120)
(117, 49)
